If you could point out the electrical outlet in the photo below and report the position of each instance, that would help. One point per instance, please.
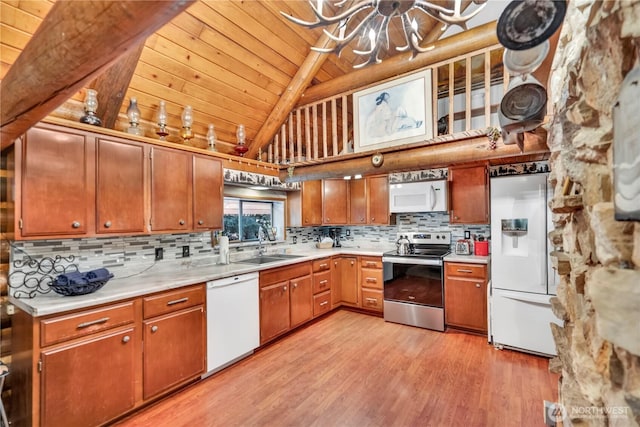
(159, 254)
(185, 251)
(348, 232)
(467, 234)
(11, 309)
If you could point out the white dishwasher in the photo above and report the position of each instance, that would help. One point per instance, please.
(233, 320)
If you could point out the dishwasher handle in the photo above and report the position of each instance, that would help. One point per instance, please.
(233, 280)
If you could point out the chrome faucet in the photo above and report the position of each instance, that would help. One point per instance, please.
(261, 249)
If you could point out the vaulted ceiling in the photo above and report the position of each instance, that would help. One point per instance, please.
(231, 60)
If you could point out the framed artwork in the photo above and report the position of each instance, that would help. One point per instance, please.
(626, 149)
(393, 113)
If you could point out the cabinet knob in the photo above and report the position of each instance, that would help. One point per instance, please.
(373, 219)
(126, 339)
(107, 224)
(154, 328)
(456, 217)
(200, 222)
(75, 224)
(352, 262)
(295, 285)
(477, 285)
(181, 222)
(284, 288)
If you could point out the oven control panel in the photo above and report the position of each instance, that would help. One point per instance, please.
(427, 238)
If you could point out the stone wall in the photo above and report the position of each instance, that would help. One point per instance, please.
(598, 257)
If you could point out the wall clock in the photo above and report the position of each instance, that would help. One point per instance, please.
(377, 160)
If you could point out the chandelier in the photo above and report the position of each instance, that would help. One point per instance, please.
(373, 29)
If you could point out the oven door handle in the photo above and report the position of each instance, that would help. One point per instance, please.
(414, 261)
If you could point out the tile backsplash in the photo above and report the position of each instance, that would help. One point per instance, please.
(368, 235)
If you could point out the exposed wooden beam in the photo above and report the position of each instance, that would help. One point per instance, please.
(421, 157)
(303, 77)
(75, 42)
(113, 83)
(478, 38)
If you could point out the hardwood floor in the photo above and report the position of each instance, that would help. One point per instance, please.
(350, 369)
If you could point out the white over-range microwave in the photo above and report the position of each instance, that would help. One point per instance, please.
(424, 196)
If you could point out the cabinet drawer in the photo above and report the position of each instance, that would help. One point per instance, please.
(64, 328)
(321, 264)
(371, 278)
(371, 262)
(167, 302)
(321, 303)
(281, 274)
(478, 271)
(372, 299)
(321, 282)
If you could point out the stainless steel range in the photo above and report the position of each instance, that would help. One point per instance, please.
(414, 282)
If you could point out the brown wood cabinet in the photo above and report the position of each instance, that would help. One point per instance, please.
(311, 202)
(283, 305)
(349, 280)
(465, 296)
(174, 339)
(65, 359)
(378, 199)
(335, 206)
(57, 188)
(469, 195)
(369, 200)
(304, 207)
(301, 300)
(322, 285)
(274, 310)
(358, 201)
(90, 366)
(90, 381)
(75, 183)
(120, 186)
(207, 193)
(370, 283)
(171, 190)
(336, 282)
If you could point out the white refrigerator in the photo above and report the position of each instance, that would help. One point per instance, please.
(522, 280)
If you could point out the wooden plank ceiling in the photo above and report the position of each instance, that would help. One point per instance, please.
(231, 60)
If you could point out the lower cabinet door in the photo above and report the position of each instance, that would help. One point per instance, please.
(466, 303)
(76, 393)
(274, 311)
(174, 347)
(301, 300)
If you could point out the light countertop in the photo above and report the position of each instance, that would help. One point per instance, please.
(473, 259)
(168, 275)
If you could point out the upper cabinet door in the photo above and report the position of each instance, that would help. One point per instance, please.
(357, 201)
(335, 207)
(378, 192)
(469, 195)
(120, 183)
(207, 193)
(57, 188)
(171, 208)
(311, 202)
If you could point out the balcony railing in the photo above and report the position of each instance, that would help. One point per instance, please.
(466, 94)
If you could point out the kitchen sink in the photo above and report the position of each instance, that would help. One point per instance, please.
(259, 260)
(267, 259)
(285, 256)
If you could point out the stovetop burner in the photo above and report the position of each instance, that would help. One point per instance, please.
(422, 244)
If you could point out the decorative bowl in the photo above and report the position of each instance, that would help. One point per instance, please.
(324, 245)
